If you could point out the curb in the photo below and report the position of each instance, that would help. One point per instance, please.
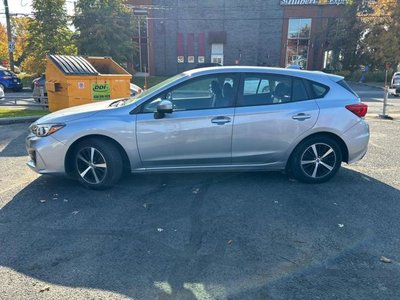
(16, 120)
(367, 84)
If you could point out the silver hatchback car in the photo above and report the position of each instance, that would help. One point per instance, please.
(210, 119)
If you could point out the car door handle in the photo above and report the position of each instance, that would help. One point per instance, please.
(220, 120)
(301, 117)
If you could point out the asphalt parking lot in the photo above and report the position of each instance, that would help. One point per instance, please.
(204, 236)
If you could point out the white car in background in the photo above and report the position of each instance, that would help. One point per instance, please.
(135, 90)
(1, 93)
(395, 85)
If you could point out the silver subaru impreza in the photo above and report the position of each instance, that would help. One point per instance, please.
(210, 119)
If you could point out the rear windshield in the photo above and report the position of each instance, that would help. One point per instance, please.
(344, 84)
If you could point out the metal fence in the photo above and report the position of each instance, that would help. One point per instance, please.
(24, 101)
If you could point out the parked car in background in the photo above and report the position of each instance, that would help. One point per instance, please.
(211, 119)
(395, 85)
(1, 93)
(8, 80)
(135, 90)
(39, 89)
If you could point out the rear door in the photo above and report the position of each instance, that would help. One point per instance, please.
(271, 113)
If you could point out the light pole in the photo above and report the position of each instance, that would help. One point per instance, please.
(9, 37)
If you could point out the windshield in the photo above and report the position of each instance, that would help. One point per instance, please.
(154, 88)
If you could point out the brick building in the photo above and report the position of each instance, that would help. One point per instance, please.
(175, 35)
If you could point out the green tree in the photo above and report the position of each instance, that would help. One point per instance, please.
(344, 36)
(382, 38)
(105, 28)
(48, 34)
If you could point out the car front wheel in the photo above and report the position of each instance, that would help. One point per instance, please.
(97, 163)
(316, 160)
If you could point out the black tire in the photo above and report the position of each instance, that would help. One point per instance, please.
(316, 160)
(97, 163)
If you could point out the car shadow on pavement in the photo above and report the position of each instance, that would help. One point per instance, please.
(209, 236)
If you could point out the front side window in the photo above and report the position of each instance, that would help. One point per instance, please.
(215, 91)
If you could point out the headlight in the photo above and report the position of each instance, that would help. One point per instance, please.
(45, 129)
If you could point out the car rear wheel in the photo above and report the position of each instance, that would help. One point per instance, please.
(316, 160)
(2, 87)
(97, 164)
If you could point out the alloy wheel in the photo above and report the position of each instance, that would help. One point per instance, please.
(318, 160)
(91, 165)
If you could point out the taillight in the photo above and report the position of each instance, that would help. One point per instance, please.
(359, 109)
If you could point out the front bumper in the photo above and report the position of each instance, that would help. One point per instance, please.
(47, 154)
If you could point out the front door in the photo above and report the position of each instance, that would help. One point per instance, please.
(199, 130)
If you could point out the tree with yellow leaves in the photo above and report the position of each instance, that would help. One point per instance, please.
(3, 44)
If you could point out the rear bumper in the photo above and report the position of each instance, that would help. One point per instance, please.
(356, 139)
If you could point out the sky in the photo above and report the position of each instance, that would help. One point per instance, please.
(25, 7)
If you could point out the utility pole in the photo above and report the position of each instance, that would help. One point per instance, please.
(9, 36)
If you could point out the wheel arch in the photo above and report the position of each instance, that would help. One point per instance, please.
(68, 157)
(336, 138)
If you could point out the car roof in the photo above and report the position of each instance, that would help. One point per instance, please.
(311, 75)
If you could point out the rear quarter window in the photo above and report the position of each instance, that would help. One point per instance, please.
(344, 84)
(318, 90)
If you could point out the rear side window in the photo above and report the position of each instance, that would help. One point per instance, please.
(265, 89)
(344, 84)
(299, 92)
(318, 90)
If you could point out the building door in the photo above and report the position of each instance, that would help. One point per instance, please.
(217, 53)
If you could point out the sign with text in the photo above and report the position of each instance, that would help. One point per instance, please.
(313, 2)
(101, 91)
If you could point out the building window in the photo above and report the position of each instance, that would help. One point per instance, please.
(298, 41)
(217, 53)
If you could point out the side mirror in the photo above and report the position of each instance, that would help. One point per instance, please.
(164, 107)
